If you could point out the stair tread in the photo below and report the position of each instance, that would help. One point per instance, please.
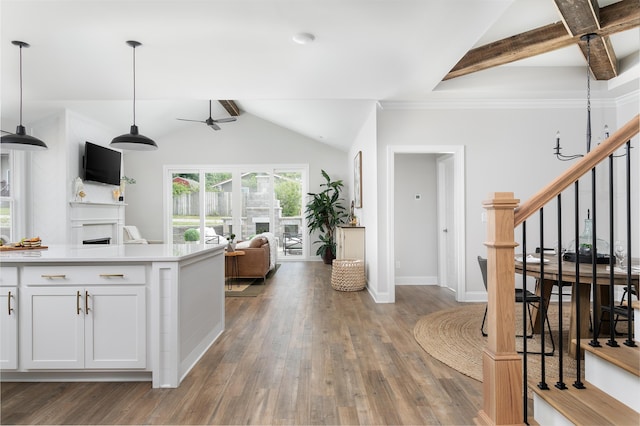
(588, 406)
(623, 356)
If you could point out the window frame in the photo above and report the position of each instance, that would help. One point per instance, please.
(236, 171)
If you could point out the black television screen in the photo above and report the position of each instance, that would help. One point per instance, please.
(101, 164)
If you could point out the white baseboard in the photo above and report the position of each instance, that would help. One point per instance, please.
(423, 280)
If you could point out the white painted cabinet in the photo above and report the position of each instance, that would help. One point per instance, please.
(8, 328)
(109, 312)
(52, 323)
(350, 242)
(83, 327)
(83, 317)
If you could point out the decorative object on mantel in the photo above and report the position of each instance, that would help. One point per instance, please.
(78, 190)
(20, 140)
(558, 148)
(123, 184)
(134, 140)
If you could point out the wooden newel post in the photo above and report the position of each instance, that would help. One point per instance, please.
(501, 364)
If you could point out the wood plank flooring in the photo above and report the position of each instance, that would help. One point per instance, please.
(300, 353)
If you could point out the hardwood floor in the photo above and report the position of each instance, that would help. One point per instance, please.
(300, 353)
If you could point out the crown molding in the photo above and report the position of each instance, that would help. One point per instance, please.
(477, 103)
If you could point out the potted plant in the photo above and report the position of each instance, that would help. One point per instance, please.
(324, 212)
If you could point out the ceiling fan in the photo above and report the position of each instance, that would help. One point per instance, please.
(213, 123)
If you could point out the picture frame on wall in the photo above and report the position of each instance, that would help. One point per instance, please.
(357, 180)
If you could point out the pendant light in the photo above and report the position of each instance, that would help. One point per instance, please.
(20, 140)
(134, 140)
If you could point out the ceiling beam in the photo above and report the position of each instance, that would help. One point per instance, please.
(231, 108)
(579, 16)
(582, 17)
(617, 17)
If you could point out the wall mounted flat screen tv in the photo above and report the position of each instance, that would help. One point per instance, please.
(101, 164)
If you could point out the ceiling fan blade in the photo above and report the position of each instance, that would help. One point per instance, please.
(195, 121)
(224, 120)
(214, 126)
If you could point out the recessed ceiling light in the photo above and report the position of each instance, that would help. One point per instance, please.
(304, 38)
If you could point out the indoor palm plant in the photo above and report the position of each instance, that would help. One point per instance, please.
(324, 212)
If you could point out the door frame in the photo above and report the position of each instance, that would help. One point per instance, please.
(457, 151)
(445, 219)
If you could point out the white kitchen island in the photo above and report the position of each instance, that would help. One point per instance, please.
(109, 312)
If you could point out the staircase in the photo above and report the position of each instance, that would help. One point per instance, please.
(611, 394)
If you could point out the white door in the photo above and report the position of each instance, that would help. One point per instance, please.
(8, 329)
(115, 327)
(446, 242)
(51, 327)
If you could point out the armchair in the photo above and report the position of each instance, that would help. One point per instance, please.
(132, 236)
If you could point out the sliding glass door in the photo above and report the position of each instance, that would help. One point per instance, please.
(208, 203)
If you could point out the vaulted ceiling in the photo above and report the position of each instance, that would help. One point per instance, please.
(389, 51)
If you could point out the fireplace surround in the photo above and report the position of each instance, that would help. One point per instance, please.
(96, 221)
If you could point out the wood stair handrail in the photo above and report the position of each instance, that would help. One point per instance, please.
(588, 162)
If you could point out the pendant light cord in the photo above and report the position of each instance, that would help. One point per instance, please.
(588, 94)
(134, 85)
(20, 85)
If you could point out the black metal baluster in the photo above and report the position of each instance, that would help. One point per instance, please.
(612, 325)
(578, 383)
(525, 390)
(629, 342)
(542, 309)
(594, 259)
(559, 253)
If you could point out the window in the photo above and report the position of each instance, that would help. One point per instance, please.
(209, 203)
(7, 202)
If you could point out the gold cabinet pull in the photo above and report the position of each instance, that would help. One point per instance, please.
(86, 301)
(78, 310)
(53, 276)
(10, 309)
(112, 275)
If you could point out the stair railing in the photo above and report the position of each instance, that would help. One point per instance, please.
(504, 401)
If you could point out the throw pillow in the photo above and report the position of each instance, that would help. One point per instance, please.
(243, 245)
(257, 242)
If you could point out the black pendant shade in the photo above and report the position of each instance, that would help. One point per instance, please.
(20, 140)
(133, 140)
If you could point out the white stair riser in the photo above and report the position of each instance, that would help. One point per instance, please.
(546, 415)
(620, 384)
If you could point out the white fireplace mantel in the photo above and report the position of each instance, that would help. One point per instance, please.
(96, 220)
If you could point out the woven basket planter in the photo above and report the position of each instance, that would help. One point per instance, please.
(347, 275)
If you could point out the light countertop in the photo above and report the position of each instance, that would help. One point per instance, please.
(109, 253)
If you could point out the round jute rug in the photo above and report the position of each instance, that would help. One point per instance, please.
(453, 337)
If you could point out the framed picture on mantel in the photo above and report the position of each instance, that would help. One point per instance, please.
(357, 180)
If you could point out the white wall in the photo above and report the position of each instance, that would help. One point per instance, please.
(508, 149)
(368, 215)
(51, 174)
(250, 140)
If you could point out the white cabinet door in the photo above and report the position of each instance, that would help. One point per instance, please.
(8, 328)
(83, 327)
(115, 327)
(51, 328)
(350, 242)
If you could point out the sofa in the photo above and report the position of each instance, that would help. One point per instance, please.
(256, 261)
